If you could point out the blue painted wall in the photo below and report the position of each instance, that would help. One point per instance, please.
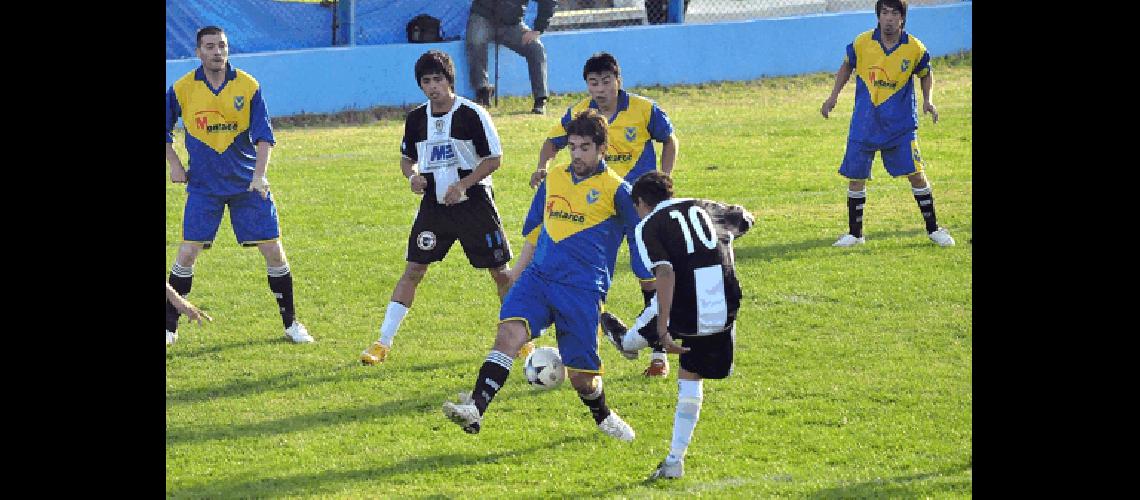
(336, 79)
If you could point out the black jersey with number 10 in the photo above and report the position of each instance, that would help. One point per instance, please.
(695, 237)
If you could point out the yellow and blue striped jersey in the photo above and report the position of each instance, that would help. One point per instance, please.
(637, 120)
(576, 224)
(222, 128)
(885, 111)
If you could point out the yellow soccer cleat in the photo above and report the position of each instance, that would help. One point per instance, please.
(375, 354)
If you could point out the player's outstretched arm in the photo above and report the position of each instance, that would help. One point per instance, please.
(665, 283)
(185, 307)
(669, 152)
(544, 156)
(841, 77)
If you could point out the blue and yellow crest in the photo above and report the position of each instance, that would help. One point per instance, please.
(239, 102)
(592, 196)
(905, 65)
(631, 134)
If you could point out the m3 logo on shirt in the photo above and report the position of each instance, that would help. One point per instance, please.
(442, 152)
(239, 102)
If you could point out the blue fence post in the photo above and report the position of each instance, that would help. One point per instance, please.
(676, 12)
(346, 22)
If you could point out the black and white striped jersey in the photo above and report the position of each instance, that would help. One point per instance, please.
(695, 237)
(448, 146)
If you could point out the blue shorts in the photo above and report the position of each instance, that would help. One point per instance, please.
(538, 302)
(899, 159)
(254, 219)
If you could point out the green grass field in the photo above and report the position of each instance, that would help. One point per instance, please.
(853, 366)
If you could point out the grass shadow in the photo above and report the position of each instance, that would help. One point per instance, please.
(217, 348)
(789, 250)
(182, 435)
(896, 487)
(321, 482)
(284, 381)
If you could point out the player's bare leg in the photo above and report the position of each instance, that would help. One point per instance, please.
(401, 302)
(658, 363)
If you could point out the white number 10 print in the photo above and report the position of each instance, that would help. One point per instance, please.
(694, 212)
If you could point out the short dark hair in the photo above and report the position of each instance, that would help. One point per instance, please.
(652, 187)
(433, 62)
(899, 5)
(601, 62)
(209, 30)
(589, 123)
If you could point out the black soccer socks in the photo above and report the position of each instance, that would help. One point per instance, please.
(492, 375)
(596, 402)
(925, 198)
(281, 284)
(855, 202)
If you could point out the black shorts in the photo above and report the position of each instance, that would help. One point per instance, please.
(475, 223)
(711, 355)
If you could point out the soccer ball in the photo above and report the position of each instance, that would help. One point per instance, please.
(544, 369)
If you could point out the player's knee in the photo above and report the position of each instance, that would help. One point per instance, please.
(188, 254)
(511, 337)
(584, 382)
(501, 275)
(414, 274)
(855, 186)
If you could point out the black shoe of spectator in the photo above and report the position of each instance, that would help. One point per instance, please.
(483, 96)
(539, 106)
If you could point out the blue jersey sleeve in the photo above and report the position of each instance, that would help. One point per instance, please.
(623, 205)
(560, 140)
(923, 65)
(259, 127)
(173, 111)
(534, 215)
(660, 128)
(851, 55)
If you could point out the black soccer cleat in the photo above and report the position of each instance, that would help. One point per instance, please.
(615, 330)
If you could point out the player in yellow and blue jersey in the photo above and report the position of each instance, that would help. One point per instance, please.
(634, 122)
(228, 138)
(885, 119)
(576, 211)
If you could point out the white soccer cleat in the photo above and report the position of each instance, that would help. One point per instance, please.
(171, 338)
(298, 333)
(848, 241)
(942, 237)
(668, 470)
(464, 413)
(614, 426)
